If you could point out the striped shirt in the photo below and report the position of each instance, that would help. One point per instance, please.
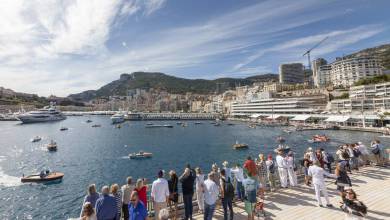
(118, 200)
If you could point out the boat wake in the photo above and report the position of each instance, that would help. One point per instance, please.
(7, 180)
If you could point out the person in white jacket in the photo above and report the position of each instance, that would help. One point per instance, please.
(292, 176)
(317, 173)
(282, 169)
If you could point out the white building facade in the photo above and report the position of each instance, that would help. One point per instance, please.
(345, 72)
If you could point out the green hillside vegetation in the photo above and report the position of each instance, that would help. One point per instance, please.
(171, 84)
(373, 80)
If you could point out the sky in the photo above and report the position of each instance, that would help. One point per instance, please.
(56, 47)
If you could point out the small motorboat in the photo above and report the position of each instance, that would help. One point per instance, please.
(63, 128)
(284, 148)
(159, 126)
(198, 123)
(252, 126)
(184, 125)
(230, 124)
(287, 131)
(35, 139)
(43, 177)
(319, 138)
(217, 124)
(140, 155)
(52, 146)
(96, 126)
(240, 146)
(118, 126)
(149, 123)
(179, 123)
(88, 121)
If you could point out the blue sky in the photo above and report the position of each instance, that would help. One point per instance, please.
(62, 47)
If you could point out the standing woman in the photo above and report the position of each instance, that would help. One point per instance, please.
(200, 189)
(262, 173)
(88, 212)
(353, 208)
(173, 192)
(91, 197)
(118, 197)
(141, 188)
(292, 176)
(306, 164)
(342, 179)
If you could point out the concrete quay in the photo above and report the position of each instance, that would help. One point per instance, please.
(372, 184)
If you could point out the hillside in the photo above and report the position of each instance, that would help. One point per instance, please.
(382, 51)
(168, 83)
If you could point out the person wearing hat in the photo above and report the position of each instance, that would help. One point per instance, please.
(225, 165)
(317, 173)
(282, 169)
(159, 194)
(292, 176)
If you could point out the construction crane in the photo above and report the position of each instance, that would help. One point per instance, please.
(308, 51)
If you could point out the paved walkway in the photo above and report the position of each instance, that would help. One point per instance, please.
(372, 184)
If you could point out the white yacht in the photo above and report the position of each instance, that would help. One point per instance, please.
(48, 113)
(118, 118)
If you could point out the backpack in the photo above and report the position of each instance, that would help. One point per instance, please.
(271, 168)
(356, 153)
(229, 189)
(330, 158)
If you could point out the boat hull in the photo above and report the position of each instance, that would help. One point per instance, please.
(37, 179)
(29, 119)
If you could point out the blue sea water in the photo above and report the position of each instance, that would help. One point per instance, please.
(100, 155)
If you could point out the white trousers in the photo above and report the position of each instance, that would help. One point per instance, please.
(292, 176)
(318, 189)
(283, 177)
(200, 198)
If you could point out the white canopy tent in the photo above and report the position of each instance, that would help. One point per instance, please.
(274, 116)
(300, 118)
(337, 118)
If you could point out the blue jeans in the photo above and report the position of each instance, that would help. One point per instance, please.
(208, 211)
(187, 199)
(240, 190)
(227, 203)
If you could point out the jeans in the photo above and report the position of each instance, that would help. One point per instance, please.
(227, 203)
(329, 165)
(125, 211)
(240, 190)
(187, 199)
(208, 211)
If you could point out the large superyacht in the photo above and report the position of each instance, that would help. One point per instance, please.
(46, 114)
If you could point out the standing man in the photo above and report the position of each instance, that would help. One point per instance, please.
(137, 210)
(187, 180)
(250, 167)
(262, 173)
(271, 171)
(317, 173)
(159, 194)
(227, 194)
(210, 197)
(282, 169)
(228, 172)
(239, 176)
(126, 194)
(106, 206)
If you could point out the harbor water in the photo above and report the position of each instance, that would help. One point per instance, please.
(100, 155)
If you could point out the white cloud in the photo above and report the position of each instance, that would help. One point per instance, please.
(153, 5)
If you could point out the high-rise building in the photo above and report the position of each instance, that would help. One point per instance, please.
(319, 77)
(346, 71)
(291, 73)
